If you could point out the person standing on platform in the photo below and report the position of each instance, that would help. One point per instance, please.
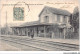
(32, 34)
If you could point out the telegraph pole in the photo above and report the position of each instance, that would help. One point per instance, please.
(6, 24)
(0, 19)
(0, 24)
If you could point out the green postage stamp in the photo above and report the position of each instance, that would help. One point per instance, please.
(18, 13)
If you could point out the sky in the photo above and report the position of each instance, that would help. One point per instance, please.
(35, 7)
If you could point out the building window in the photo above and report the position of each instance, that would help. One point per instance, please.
(58, 18)
(46, 19)
(64, 19)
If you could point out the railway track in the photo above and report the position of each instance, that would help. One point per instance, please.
(42, 45)
(22, 44)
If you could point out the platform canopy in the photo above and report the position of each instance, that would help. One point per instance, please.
(34, 23)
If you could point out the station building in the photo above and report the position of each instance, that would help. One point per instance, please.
(52, 23)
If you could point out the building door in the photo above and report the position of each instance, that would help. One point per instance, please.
(31, 32)
(61, 33)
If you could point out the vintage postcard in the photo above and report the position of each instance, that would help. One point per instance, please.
(39, 25)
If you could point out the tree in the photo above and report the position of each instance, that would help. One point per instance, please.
(74, 19)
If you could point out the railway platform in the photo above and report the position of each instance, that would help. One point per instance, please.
(68, 41)
(39, 43)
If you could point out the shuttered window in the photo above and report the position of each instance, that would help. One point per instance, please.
(46, 19)
(58, 18)
(64, 19)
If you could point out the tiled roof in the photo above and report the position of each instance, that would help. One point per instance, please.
(56, 11)
(35, 23)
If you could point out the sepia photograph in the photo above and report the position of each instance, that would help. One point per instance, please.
(39, 25)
